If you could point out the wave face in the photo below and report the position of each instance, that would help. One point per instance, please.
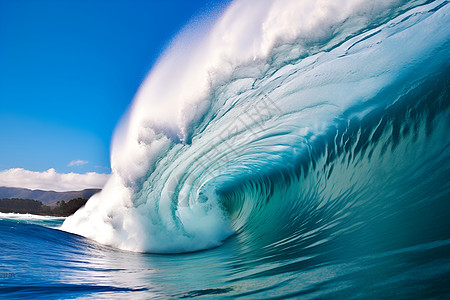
(298, 128)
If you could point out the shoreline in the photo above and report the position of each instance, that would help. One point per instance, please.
(34, 207)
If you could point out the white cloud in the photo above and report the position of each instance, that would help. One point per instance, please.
(78, 162)
(50, 180)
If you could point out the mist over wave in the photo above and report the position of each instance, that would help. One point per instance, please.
(288, 124)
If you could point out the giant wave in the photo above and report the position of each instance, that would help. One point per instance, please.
(286, 124)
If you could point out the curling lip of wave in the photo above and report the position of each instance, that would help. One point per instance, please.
(164, 196)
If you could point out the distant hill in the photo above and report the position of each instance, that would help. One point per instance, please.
(46, 197)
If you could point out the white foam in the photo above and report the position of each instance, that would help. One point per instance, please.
(17, 216)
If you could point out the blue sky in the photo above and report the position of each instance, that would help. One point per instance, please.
(70, 68)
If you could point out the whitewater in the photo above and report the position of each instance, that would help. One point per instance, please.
(287, 149)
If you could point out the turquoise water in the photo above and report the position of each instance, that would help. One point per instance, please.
(321, 173)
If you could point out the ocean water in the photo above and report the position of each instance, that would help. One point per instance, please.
(291, 150)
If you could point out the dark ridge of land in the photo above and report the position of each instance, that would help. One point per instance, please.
(49, 198)
(29, 206)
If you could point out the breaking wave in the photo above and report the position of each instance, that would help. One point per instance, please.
(286, 124)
